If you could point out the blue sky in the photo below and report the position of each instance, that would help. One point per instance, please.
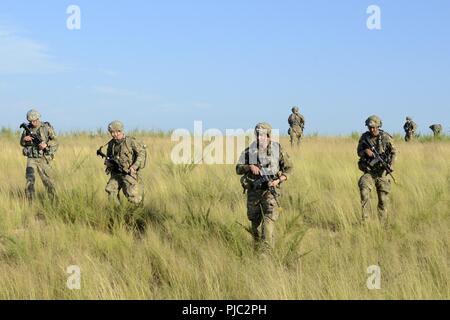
(231, 64)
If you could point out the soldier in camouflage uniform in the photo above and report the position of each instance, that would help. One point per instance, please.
(374, 173)
(297, 125)
(39, 156)
(437, 129)
(125, 159)
(410, 128)
(262, 203)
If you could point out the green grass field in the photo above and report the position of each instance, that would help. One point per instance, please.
(188, 242)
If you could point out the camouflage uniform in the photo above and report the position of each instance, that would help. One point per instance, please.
(297, 125)
(374, 174)
(39, 160)
(437, 129)
(262, 205)
(410, 128)
(127, 152)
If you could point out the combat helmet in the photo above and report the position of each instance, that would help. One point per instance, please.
(116, 126)
(374, 121)
(295, 109)
(33, 115)
(263, 127)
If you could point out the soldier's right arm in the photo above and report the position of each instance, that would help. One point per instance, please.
(290, 120)
(243, 167)
(361, 148)
(23, 143)
(109, 149)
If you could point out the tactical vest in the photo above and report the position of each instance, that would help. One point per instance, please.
(296, 120)
(409, 126)
(269, 159)
(123, 152)
(33, 151)
(380, 143)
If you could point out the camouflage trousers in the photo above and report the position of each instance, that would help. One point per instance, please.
(296, 134)
(132, 188)
(383, 186)
(409, 136)
(45, 171)
(263, 212)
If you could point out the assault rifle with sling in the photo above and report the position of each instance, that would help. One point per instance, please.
(379, 160)
(265, 180)
(115, 165)
(36, 139)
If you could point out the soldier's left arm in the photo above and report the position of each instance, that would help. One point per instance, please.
(392, 150)
(286, 165)
(302, 119)
(52, 142)
(140, 151)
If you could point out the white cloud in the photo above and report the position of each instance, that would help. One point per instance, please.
(20, 55)
(201, 105)
(124, 93)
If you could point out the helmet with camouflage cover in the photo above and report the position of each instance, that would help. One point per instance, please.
(116, 126)
(374, 122)
(263, 127)
(33, 115)
(295, 109)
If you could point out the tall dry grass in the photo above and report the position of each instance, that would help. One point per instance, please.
(187, 242)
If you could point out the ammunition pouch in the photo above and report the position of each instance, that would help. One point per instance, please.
(32, 152)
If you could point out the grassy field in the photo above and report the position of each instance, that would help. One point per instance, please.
(188, 241)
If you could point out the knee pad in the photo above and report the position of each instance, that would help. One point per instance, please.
(30, 174)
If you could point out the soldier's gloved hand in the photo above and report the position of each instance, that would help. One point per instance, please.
(43, 146)
(255, 170)
(369, 153)
(275, 183)
(27, 139)
(133, 170)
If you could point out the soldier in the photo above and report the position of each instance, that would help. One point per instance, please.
(437, 129)
(125, 158)
(39, 144)
(263, 159)
(374, 172)
(297, 125)
(410, 128)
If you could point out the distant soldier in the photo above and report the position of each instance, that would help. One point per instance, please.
(39, 144)
(264, 167)
(374, 142)
(297, 125)
(410, 128)
(125, 158)
(437, 129)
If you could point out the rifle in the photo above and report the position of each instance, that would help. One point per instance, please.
(264, 181)
(36, 139)
(379, 159)
(116, 166)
